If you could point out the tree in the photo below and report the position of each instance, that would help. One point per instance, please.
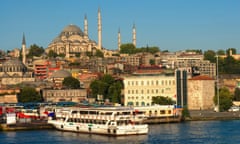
(114, 92)
(225, 99)
(71, 83)
(220, 52)
(29, 94)
(99, 54)
(35, 50)
(98, 87)
(152, 62)
(128, 48)
(162, 100)
(236, 96)
(108, 87)
(52, 54)
(234, 51)
(210, 55)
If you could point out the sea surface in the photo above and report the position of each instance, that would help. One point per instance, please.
(195, 132)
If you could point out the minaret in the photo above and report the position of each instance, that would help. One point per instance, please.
(85, 27)
(99, 30)
(119, 39)
(23, 50)
(134, 35)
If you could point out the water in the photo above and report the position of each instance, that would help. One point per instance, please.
(196, 132)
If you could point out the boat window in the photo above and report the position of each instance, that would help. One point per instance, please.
(162, 111)
(92, 112)
(126, 113)
(169, 111)
(83, 112)
(74, 112)
(108, 113)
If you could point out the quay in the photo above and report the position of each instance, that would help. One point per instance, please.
(201, 115)
(34, 125)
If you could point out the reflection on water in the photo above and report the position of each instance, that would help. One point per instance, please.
(88, 138)
(197, 132)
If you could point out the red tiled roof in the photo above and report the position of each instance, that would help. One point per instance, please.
(201, 77)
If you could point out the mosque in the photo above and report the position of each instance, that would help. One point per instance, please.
(72, 40)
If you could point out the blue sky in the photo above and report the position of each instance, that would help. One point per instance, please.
(169, 24)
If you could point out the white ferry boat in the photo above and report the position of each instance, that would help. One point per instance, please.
(113, 121)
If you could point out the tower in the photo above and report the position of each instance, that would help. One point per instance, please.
(85, 27)
(99, 30)
(181, 85)
(134, 35)
(119, 39)
(23, 50)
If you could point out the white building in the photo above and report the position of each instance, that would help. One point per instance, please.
(140, 89)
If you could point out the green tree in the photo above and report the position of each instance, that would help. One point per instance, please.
(128, 48)
(152, 62)
(71, 83)
(225, 99)
(62, 55)
(236, 96)
(220, 52)
(231, 66)
(52, 54)
(35, 50)
(99, 54)
(114, 92)
(162, 100)
(108, 87)
(29, 94)
(98, 87)
(234, 51)
(107, 78)
(210, 55)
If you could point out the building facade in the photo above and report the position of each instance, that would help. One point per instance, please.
(140, 89)
(72, 95)
(201, 90)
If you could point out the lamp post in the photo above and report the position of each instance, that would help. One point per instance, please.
(218, 105)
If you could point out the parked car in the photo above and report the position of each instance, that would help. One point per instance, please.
(234, 108)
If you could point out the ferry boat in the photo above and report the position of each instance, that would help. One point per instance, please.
(114, 121)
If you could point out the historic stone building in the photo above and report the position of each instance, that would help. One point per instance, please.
(72, 41)
(73, 95)
(14, 72)
(201, 90)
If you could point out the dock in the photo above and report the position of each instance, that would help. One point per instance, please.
(35, 125)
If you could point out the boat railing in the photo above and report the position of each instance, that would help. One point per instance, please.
(106, 117)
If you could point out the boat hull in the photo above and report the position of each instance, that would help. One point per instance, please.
(100, 129)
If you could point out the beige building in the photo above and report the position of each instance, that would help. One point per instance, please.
(13, 72)
(201, 90)
(73, 95)
(139, 89)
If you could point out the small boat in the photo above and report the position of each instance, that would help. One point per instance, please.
(114, 121)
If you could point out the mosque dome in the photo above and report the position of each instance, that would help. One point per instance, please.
(61, 74)
(13, 65)
(72, 30)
